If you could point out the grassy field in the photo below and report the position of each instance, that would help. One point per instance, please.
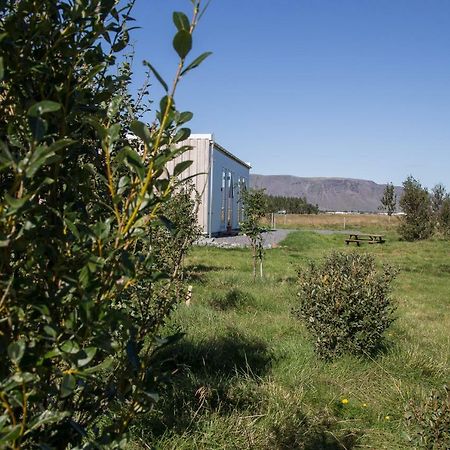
(245, 376)
(362, 222)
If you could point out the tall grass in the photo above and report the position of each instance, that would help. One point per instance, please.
(245, 375)
(362, 222)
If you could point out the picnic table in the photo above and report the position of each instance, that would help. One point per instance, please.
(368, 238)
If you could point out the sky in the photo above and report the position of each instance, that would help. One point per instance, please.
(314, 88)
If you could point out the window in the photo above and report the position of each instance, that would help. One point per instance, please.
(224, 198)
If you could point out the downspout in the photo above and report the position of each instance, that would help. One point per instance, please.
(211, 171)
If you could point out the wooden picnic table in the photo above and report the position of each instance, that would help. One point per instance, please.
(368, 238)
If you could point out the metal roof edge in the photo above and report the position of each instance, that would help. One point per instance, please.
(230, 155)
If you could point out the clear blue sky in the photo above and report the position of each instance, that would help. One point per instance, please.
(342, 88)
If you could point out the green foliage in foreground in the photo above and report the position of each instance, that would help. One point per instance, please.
(83, 292)
(344, 302)
(246, 375)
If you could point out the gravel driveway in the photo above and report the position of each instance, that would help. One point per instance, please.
(270, 239)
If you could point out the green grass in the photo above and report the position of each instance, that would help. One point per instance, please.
(245, 376)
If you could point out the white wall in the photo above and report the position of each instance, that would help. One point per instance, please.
(199, 154)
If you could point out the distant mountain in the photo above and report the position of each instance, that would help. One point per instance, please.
(331, 194)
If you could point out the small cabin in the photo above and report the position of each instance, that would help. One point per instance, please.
(220, 178)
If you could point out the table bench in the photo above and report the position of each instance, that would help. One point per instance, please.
(368, 238)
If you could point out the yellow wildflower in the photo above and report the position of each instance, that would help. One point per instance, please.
(344, 401)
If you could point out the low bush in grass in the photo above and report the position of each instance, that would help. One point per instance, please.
(345, 303)
(429, 421)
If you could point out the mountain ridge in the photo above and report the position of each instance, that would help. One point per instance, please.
(329, 193)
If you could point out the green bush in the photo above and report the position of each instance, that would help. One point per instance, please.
(429, 421)
(345, 303)
(83, 295)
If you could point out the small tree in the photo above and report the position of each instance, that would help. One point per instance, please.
(254, 203)
(444, 217)
(389, 200)
(416, 204)
(178, 230)
(438, 205)
(438, 195)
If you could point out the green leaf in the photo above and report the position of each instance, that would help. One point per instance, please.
(47, 417)
(122, 42)
(182, 135)
(15, 204)
(185, 116)
(41, 156)
(3, 421)
(181, 167)
(52, 353)
(2, 69)
(157, 75)
(86, 356)
(84, 276)
(124, 183)
(38, 127)
(182, 43)
(105, 365)
(197, 61)
(167, 223)
(6, 158)
(68, 385)
(164, 102)
(50, 331)
(102, 229)
(43, 107)
(16, 351)
(72, 227)
(114, 132)
(133, 161)
(113, 107)
(141, 131)
(152, 396)
(10, 434)
(70, 347)
(181, 21)
(60, 144)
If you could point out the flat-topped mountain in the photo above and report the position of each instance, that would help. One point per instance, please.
(330, 194)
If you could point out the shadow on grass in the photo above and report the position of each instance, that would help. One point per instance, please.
(227, 355)
(298, 432)
(196, 272)
(233, 299)
(220, 380)
(206, 377)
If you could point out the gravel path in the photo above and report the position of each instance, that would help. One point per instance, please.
(270, 239)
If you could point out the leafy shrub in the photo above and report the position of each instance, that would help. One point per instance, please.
(345, 303)
(82, 291)
(429, 421)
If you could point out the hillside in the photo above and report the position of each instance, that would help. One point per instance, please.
(330, 194)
